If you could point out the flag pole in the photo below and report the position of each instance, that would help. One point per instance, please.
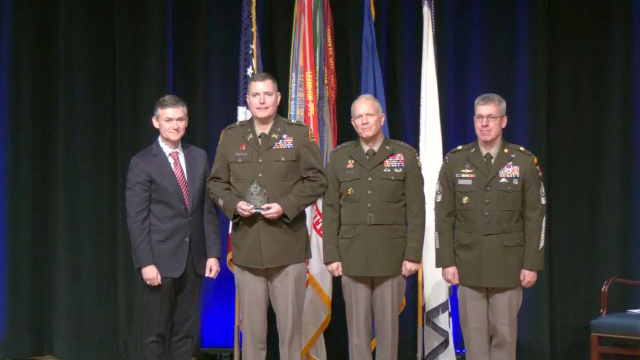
(420, 314)
(236, 330)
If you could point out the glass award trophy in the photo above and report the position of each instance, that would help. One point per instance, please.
(256, 196)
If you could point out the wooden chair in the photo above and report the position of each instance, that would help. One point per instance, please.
(619, 326)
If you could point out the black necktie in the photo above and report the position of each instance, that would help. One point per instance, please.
(263, 140)
(370, 154)
(487, 160)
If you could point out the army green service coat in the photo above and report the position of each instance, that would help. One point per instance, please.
(373, 210)
(490, 225)
(290, 168)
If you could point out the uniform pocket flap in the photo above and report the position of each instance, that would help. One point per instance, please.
(513, 241)
(509, 186)
(240, 158)
(347, 176)
(283, 155)
(397, 231)
(392, 175)
(346, 232)
(463, 239)
(465, 185)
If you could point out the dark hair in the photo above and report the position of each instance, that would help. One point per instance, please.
(264, 76)
(169, 101)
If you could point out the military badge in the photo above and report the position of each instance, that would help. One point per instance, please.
(465, 175)
(515, 181)
(285, 142)
(350, 164)
(275, 136)
(465, 200)
(438, 191)
(395, 161)
(466, 170)
(509, 171)
(350, 191)
(250, 137)
(503, 180)
(506, 151)
(243, 146)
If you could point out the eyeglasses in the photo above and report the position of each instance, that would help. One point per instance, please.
(490, 118)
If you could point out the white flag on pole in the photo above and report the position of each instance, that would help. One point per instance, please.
(438, 342)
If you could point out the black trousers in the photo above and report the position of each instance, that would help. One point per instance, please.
(171, 317)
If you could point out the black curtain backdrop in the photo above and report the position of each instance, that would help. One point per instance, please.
(79, 80)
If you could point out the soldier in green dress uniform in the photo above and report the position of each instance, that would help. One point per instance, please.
(490, 230)
(269, 248)
(373, 228)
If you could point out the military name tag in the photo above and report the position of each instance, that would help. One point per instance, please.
(465, 181)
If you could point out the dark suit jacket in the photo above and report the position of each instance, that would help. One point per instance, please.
(289, 167)
(161, 228)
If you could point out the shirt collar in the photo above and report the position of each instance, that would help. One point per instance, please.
(258, 131)
(168, 150)
(375, 147)
(493, 151)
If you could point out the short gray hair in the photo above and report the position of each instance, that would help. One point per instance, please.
(490, 98)
(367, 97)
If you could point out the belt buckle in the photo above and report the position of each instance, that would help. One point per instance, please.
(369, 219)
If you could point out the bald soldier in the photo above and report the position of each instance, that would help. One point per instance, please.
(490, 230)
(269, 247)
(373, 228)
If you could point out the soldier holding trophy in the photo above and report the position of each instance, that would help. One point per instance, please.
(267, 170)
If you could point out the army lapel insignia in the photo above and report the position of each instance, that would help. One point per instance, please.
(250, 137)
(285, 142)
(509, 171)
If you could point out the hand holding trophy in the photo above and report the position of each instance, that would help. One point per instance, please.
(256, 196)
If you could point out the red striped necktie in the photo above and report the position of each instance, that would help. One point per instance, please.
(182, 180)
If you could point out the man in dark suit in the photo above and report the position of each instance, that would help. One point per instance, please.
(373, 228)
(174, 233)
(269, 248)
(490, 229)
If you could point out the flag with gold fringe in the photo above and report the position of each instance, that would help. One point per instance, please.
(312, 100)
